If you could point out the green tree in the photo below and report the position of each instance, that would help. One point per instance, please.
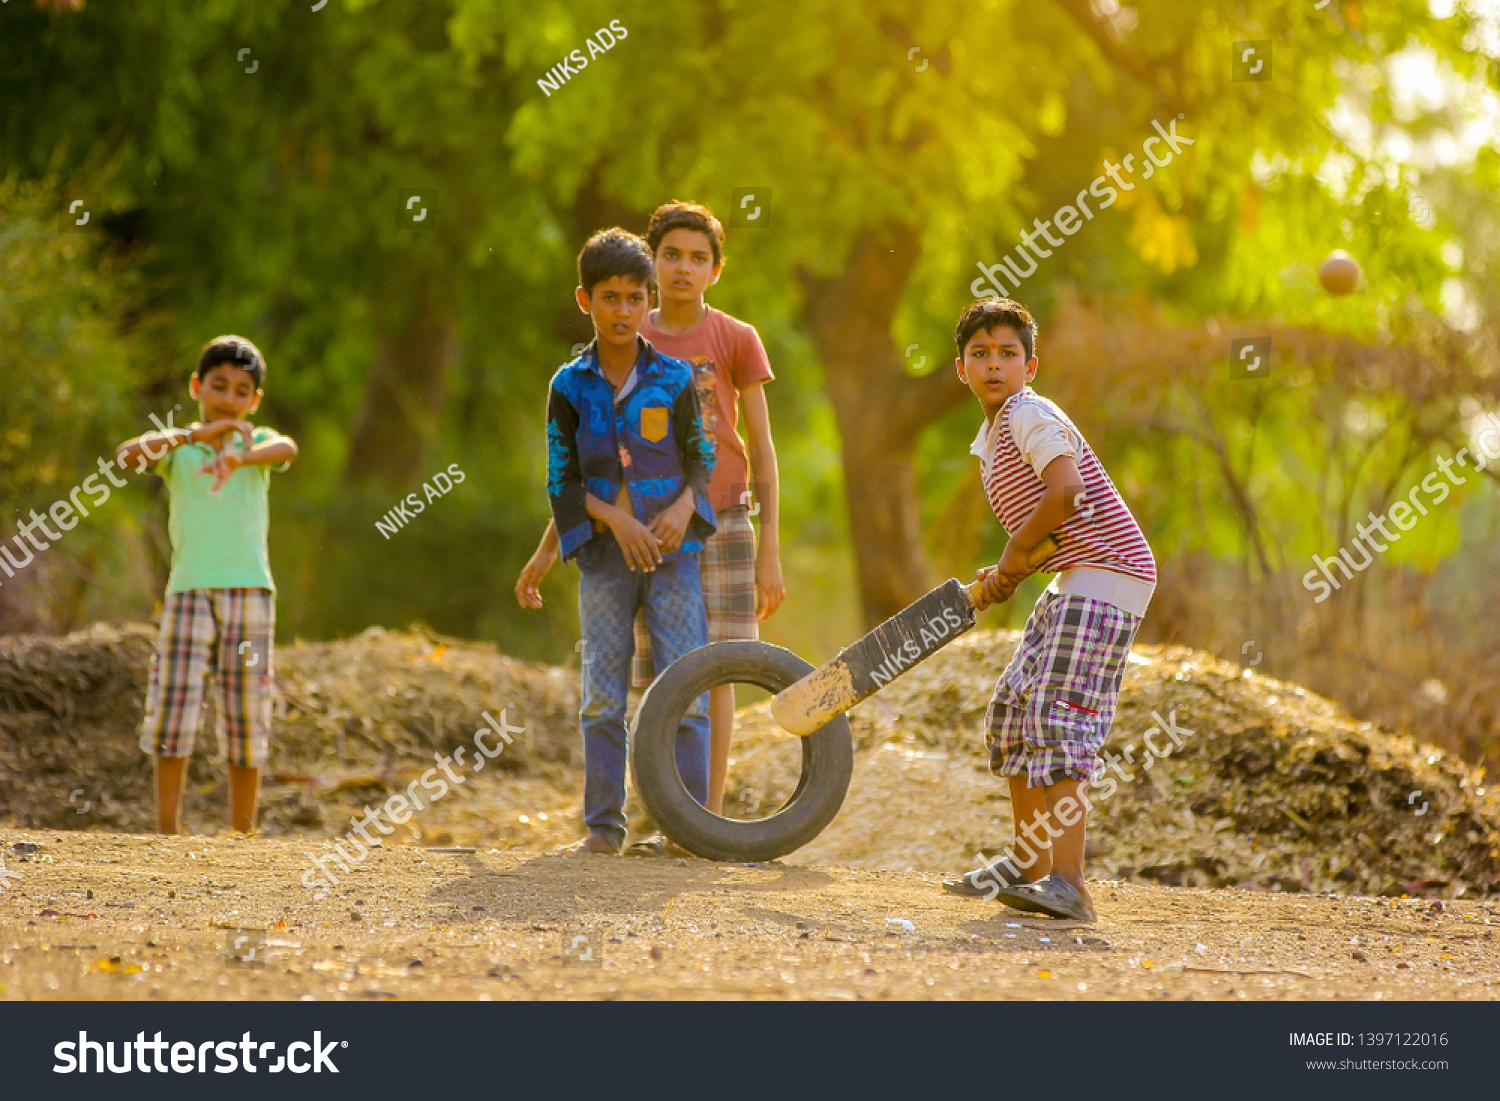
(67, 385)
(258, 156)
(897, 150)
(901, 149)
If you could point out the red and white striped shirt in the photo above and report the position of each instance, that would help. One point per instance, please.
(1101, 550)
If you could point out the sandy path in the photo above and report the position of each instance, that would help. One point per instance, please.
(412, 924)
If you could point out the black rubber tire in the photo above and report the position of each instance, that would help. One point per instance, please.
(827, 757)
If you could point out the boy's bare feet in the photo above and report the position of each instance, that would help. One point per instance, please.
(244, 795)
(596, 842)
(169, 776)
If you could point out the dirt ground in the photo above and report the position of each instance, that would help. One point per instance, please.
(112, 916)
(1272, 852)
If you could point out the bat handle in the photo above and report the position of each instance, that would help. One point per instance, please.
(1039, 554)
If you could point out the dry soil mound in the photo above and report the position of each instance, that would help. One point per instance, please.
(1271, 787)
(353, 718)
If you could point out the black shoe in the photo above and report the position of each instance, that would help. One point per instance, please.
(985, 882)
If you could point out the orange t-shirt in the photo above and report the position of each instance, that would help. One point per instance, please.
(726, 356)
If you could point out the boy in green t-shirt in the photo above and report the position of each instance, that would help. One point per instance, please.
(220, 611)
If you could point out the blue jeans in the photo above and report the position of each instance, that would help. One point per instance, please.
(609, 593)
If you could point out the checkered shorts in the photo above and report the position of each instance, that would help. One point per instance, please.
(226, 633)
(728, 568)
(1055, 702)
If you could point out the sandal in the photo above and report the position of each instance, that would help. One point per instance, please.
(984, 882)
(1057, 898)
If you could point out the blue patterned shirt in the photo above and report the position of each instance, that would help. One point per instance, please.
(651, 441)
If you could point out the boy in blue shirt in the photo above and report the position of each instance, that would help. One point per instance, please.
(628, 466)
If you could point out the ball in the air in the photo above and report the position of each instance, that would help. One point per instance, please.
(1339, 273)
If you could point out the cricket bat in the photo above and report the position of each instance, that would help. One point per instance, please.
(898, 645)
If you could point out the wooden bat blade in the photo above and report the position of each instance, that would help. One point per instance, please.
(906, 639)
(898, 644)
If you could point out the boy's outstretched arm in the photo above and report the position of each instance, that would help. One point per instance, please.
(769, 588)
(272, 452)
(141, 452)
(528, 591)
(277, 450)
(1057, 504)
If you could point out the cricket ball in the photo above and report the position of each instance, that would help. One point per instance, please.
(1339, 273)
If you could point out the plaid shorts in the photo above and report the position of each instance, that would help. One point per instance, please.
(1055, 702)
(226, 632)
(728, 567)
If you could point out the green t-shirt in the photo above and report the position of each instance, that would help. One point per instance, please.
(218, 539)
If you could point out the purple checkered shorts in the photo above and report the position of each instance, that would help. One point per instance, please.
(1055, 702)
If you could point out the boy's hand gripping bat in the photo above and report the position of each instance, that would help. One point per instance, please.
(906, 639)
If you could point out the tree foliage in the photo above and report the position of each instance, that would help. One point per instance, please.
(893, 148)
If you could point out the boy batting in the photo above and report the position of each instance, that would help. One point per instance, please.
(1055, 701)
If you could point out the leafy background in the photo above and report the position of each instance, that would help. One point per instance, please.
(267, 203)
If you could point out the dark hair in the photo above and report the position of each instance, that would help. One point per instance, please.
(988, 313)
(235, 351)
(612, 252)
(681, 215)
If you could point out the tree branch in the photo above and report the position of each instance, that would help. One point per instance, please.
(926, 398)
(1143, 68)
